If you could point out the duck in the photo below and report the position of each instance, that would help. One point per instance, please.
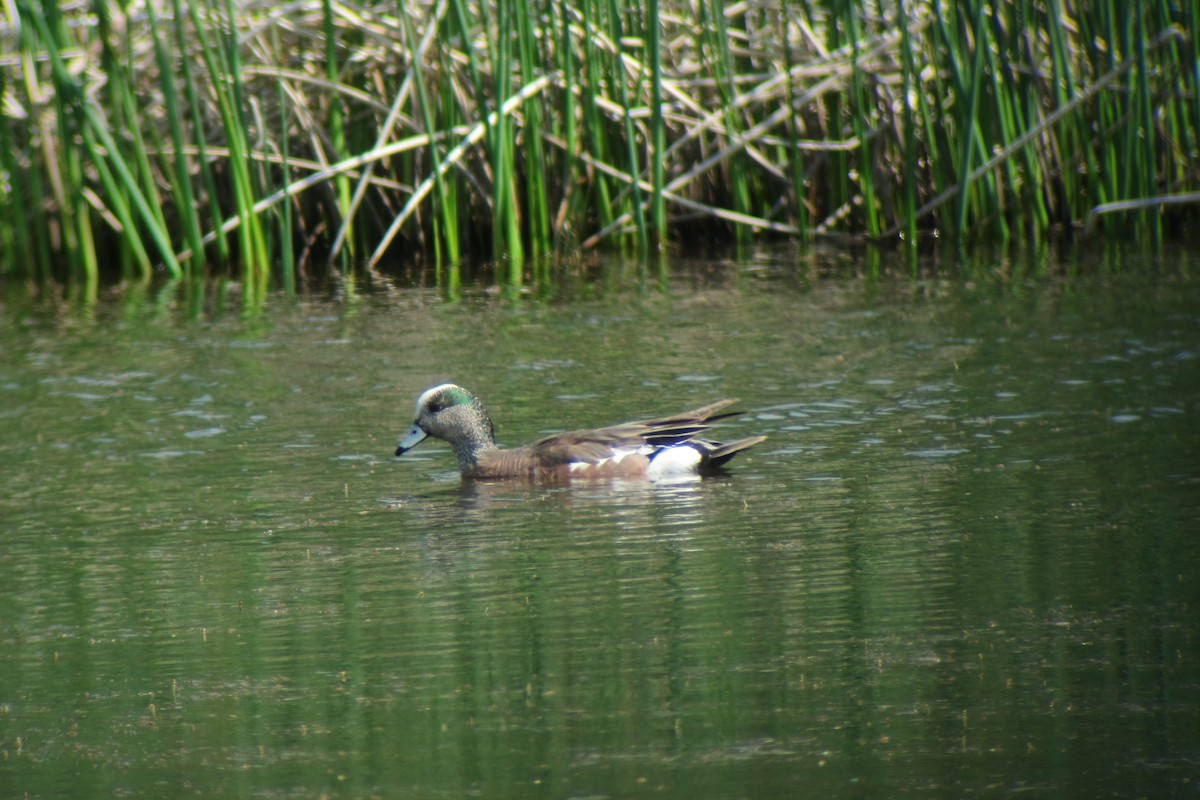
(668, 447)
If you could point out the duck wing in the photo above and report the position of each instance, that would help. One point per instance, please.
(599, 444)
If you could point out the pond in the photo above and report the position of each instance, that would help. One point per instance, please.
(964, 562)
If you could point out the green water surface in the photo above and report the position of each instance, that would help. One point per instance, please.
(964, 564)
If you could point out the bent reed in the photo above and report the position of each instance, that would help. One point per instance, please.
(255, 140)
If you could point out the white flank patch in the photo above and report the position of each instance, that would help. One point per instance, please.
(674, 462)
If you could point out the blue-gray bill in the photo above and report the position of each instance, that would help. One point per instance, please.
(414, 438)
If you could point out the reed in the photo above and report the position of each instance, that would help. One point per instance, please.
(249, 140)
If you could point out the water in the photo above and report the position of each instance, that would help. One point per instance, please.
(963, 564)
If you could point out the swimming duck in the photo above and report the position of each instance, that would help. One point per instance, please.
(653, 449)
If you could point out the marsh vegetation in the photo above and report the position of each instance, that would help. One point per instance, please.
(262, 140)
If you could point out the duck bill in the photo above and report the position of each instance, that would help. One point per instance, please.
(414, 438)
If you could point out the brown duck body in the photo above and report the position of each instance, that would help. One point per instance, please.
(654, 449)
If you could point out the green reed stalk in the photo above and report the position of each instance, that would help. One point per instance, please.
(21, 216)
(1131, 168)
(910, 86)
(506, 226)
(280, 180)
(1099, 26)
(537, 201)
(287, 258)
(119, 195)
(185, 204)
(127, 117)
(451, 202)
(1020, 107)
(122, 202)
(596, 140)
(464, 27)
(658, 133)
(14, 238)
(44, 258)
(1097, 185)
(251, 238)
(337, 122)
(842, 114)
(998, 126)
(615, 30)
(866, 163)
(447, 233)
(61, 154)
(1061, 89)
(572, 202)
(1175, 113)
(1187, 108)
(795, 159)
(256, 263)
(932, 104)
(725, 71)
(1145, 129)
(196, 117)
(1192, 61)
(968, 127)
